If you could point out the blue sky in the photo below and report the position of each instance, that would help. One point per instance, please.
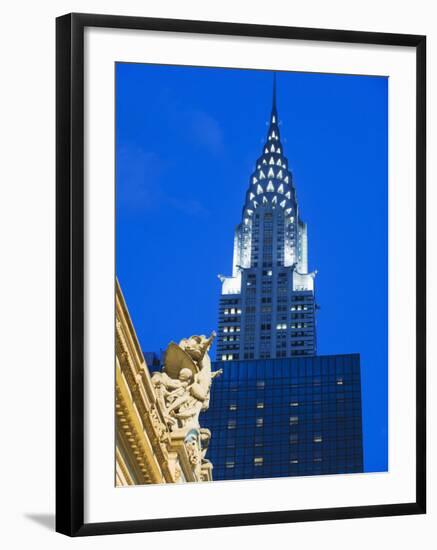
(186, 142)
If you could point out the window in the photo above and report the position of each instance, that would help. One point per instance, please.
(258, 461)
(232, 424)
(317, 439)
(233, 407)
(294, 404)
(339, 381)
(260, 384)
(294, 420)
(230, 464)
(260, 405)
(259, 422)
(294, 461)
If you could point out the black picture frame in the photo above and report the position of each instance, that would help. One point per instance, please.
(70, 273)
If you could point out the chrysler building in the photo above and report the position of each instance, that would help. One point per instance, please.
(267, 306)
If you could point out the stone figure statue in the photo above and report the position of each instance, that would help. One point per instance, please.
(183, 385)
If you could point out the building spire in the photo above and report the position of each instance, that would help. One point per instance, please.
(274, 94)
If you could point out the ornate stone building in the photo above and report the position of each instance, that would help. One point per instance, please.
(158, 438)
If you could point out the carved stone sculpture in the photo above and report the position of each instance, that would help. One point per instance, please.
(184, 383)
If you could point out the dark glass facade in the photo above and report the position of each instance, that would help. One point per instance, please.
(286, 417)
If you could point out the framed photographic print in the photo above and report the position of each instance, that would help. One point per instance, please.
(240, 274)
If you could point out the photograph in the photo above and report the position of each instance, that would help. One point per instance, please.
(251, 291)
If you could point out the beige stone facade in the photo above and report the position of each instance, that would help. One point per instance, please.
(147, 450)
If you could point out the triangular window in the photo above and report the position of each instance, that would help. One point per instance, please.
(251, 196)
(265, 201)
(286, 179)
(254, 180)
(262, 176)
(272, 160)
(271, 174)
(270, 187)
(288, 195)
(281, 189)
(275, 200)
(259, 190)
(272, 148)
(288, 211)
(264, 161)
(279, 162)
(282, 204)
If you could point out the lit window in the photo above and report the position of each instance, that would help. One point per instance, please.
(259, 422)
(339, 381)
(254, 180)
(262, 176)
(226, 311)
(225, 329)
(269, 273)
(259, 190)
(223, 357)
(239, 311)
(279, 162)
(286, 178)
(279, 150)
(237, 329)
(271, 174)
(270, 187)
(281, 189)
(317, 439)
(260, 405)
(272, 160)
(293, 438)
(279, 175)
(266, 150)
(294, 420)
(318, 459)
(294, 404)
(230, 464)
(251, 196)
(282, 204)
(288, 211)
(260, 384)
(275, 200)
(258, 461)
(288, 195)
(233, 407)
(265, 201)
(255, 204)
(232, 424)
(231, 329)
(249, 211)
(230, 357)
(294, 461)
(264, 161)
(273, 119)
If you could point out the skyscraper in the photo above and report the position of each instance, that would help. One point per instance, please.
(267, 306)
(279, 409)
